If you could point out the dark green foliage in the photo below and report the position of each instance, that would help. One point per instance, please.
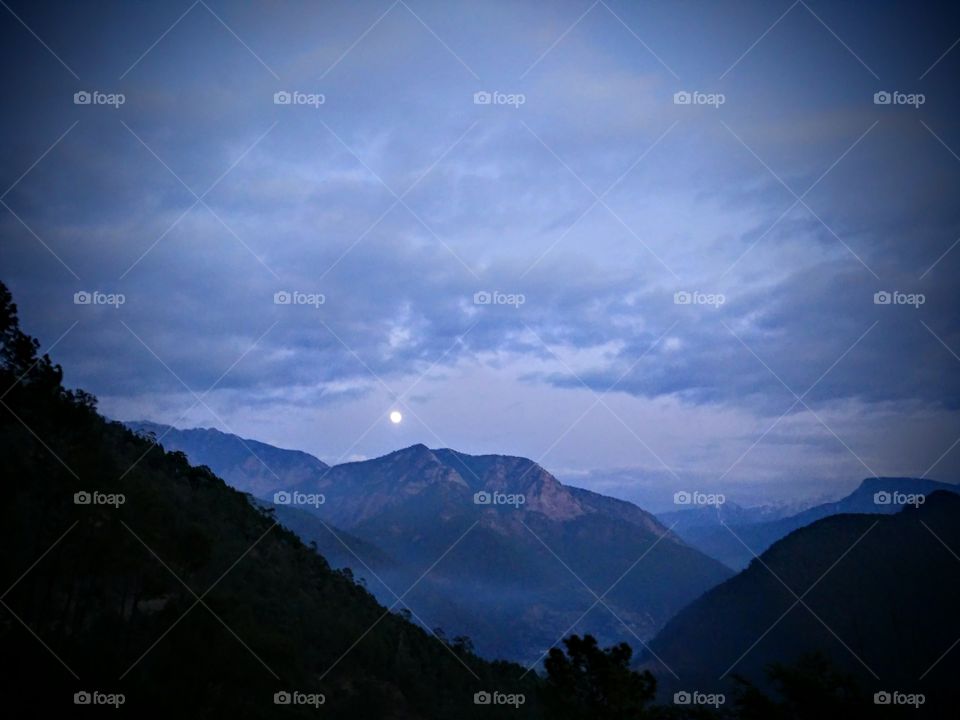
(117, 597)
(810, 688)
(590, 682)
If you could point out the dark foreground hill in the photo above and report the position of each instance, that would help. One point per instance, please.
(126, 570)
(879, 597)
(736, 544)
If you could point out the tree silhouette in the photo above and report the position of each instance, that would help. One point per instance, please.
(811, 687)
(590, 682)
(18, 351)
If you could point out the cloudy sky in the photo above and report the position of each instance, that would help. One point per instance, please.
(535, 152)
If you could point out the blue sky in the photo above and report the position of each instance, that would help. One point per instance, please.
(587, 191)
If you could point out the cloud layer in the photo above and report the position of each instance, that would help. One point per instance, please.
(596, 200)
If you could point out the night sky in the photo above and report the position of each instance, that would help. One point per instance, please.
(536, 155)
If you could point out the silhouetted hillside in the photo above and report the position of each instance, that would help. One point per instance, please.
(878, 597)
(738, 543)
(127, 570)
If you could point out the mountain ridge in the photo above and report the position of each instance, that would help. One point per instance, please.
(517, 556)
(736, 544)
(878, 598)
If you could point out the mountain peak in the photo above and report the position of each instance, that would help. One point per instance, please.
(416, 455)
(415, 449)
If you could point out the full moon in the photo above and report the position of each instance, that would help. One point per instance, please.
(395, 417)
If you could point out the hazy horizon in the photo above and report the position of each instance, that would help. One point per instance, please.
(653, 493)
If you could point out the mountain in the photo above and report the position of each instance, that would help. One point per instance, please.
(248, 465)
(880, 597)
(520, 575)
(691, 518)
(515, 574)
(260, 469)
(134, 579)
(340, 549)
(703, 528)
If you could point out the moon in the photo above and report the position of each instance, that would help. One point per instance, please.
(396, 417)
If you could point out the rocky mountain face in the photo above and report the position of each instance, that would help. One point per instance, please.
(489, 546)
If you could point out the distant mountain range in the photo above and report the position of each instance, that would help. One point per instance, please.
(878, 595)
(248, 465)
(733, 535)
(692, 517)
(493, 547)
